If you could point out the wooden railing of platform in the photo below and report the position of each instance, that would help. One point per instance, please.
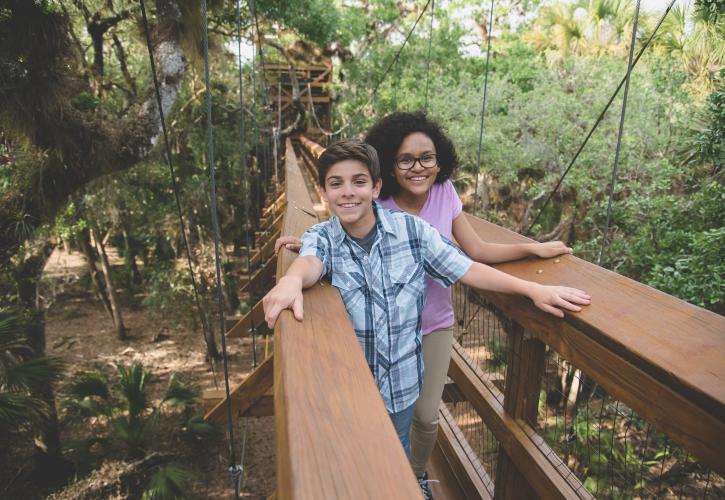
(660, 356)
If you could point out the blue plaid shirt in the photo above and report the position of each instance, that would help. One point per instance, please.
(384, 292)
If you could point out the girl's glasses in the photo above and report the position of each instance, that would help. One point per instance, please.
(406, 162)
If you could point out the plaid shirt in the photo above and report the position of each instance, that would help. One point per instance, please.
(384, 292)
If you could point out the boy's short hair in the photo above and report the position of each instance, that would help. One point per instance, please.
(348, 149)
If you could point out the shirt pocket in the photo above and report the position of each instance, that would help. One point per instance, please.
(407, 283)
(352, 288)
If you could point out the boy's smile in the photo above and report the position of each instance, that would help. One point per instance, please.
(349, 191)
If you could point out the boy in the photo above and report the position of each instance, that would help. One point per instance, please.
(378, 260)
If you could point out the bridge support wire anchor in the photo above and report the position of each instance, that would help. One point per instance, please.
(236, 472)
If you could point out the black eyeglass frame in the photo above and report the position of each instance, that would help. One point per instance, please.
(418, 160)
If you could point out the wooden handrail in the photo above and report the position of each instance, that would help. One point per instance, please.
(334, 437)
(661, 356)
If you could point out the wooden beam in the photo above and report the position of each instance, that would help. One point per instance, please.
(255, 315)
(262, 407)
(263, 275)
(266, 251)
(244, 395)
(463, 461)
(525, 368)
(537, 462)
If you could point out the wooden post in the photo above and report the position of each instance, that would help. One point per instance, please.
(521, 398)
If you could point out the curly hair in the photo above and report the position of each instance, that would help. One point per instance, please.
(388, 134)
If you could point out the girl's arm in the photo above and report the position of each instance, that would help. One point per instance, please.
(552, 299)
(493, 253)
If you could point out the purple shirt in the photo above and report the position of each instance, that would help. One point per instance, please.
(442, 206)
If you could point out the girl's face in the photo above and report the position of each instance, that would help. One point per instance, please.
(418, 179)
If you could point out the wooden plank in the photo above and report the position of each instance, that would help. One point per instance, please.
(463, 461)
(533, 460)
(245, 394)
(263, 276)
(278, 205)
(679, 344)
(256, 316)
(333, 435)
(266, 251)
(525, 368)
(262, 407)
(444, 484)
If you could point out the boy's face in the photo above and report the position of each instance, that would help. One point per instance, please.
(349, 191)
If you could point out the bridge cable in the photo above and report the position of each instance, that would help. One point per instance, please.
(466, 302)
(175, 187)
(430, 47)
(245, 176)
(619, 135)
(397, 56)
(600, 117)
(235, 470)
(483, 108)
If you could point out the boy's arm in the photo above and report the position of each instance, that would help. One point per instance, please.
(493, 253)
(547, 298)
(287, 294)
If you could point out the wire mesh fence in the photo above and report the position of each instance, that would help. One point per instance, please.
(588, 433)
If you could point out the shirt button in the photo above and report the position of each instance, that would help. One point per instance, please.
(365, 258)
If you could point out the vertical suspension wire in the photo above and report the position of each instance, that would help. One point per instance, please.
(430, 47)
(234, 469)
(613, 181)
(483, 109)
(208, 337)
(242, 142)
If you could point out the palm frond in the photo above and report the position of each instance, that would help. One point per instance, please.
(32, 374)
(17, 410)
(169, 483)
(89, 384)
(200, 429)
(133, 383)
(181, 391)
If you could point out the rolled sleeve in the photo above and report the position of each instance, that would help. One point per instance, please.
(444, 262)
(316, 242)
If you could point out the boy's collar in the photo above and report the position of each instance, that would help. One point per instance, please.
(381, 220)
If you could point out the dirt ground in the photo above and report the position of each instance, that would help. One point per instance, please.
(80, 331)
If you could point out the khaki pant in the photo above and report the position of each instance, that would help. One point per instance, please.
(436, 358)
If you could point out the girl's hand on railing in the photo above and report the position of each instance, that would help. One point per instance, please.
(553, 299)
(292, 243)
(550, 249)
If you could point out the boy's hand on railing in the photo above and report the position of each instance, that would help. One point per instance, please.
(553, 299)
(292, 243)
(550, 249)
(286, 295)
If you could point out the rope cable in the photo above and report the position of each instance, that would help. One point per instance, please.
(234, 469)
(600, 117)
(619, 135)
(397, 55)
(483, 109)
(175, 187)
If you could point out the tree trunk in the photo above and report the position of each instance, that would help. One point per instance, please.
(84, 241)
(105, 266)
(50, 468)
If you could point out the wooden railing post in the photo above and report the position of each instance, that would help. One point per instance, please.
(521, 398)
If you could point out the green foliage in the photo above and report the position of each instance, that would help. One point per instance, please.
(125, 409)
(170, 482)
(23, 374)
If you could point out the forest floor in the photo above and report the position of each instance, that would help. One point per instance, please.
(81, 332)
